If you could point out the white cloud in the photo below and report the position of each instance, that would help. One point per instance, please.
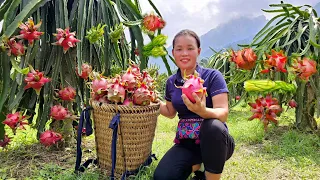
(204, 15)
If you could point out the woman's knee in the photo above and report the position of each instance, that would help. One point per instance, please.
(213, 128)
(165, 173)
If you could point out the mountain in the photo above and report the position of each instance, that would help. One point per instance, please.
(240, 30)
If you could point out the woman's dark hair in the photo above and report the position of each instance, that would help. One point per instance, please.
(187, 32)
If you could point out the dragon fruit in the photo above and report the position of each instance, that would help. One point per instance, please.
(266, 109)
(15, 120)
(152, 22)
(86, 69)
(129, 80)
(99, 85)
(5, 141)
(305, 68)
(292, 103)
(135, 70)
(116, 91)
(276, 62)
(142, 96)
(67, 94)
(14, 48)
(35, 80)
(193, 84)
(244, 59)
(127, 102)
(29, 31)
(238, 98)
(58, 112)
(147, 79)
(65, 38)
(49, 138)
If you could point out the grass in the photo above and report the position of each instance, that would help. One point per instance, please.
(281, 153)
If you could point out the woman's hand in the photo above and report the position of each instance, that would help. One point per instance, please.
(199, 107)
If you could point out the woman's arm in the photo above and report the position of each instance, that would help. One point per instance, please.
(220, 106)
(167, 109)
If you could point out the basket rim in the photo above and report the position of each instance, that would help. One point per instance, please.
(97, 103)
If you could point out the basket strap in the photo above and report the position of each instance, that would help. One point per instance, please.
(85, 116)
(146, 163)
(114, 123)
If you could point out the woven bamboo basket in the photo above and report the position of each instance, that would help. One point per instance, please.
(135, 135)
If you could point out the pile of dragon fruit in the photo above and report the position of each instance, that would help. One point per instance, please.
(132, 87)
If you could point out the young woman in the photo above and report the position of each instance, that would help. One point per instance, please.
(210, 144)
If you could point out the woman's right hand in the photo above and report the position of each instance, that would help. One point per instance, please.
(167, 109)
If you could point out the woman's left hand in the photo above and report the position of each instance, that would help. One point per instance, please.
(199, 106)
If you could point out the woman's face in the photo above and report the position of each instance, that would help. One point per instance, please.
(185, 53)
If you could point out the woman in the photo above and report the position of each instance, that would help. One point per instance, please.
(214, 145)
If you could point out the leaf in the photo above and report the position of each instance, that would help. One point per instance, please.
(132, 8)
(155, 8)
(278, 10)
(132, 23)
(262, 31)
(4, 9)
(19, 18)
(5, 81)
(10, 14)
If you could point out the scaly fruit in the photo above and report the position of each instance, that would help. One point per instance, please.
(49, 138)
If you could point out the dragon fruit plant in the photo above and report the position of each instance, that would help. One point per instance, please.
(132, 87)
(266, 109)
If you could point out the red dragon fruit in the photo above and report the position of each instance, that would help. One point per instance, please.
(116, 91)
(29, 31)
(292, 103)
(35, 80)
(99, 85)
(49, 138)
(244, 59)
(127, 102)
(153, 22)
(147, 79)
(66, 39)
(15, 120)
(266, 109)
(276, 62)
(15, 48)
(59, 112)
(193, 84)
(305, 68)
(86, 69)
(129, 80)
(154, 96)
(67, 94)
(135, 70)
(5, 141)
(142, 96)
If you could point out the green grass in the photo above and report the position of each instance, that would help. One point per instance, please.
(281, 153)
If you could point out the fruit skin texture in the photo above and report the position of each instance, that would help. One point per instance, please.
(194, 84)
(49, 138)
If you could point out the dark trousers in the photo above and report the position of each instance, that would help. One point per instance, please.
(216, 146)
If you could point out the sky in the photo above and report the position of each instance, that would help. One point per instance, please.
(203, 15)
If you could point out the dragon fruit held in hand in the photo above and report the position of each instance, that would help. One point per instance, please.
(193, 84)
